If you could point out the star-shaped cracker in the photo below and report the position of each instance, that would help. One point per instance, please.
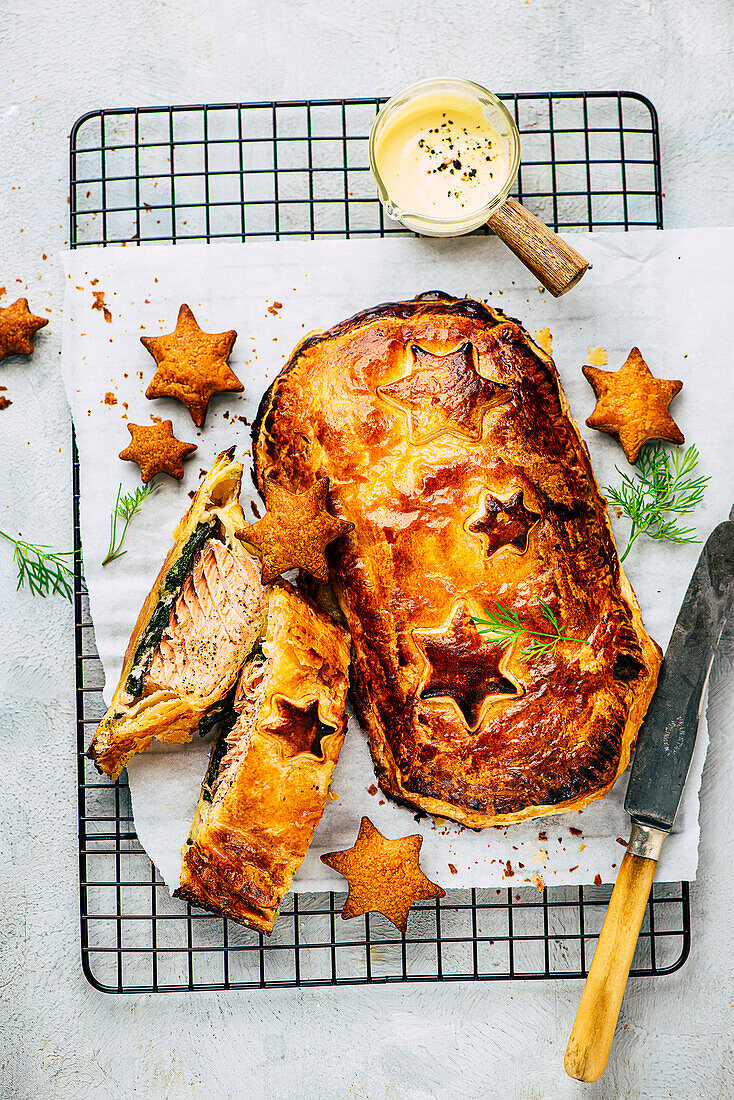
(156, 450)
(505, 523)
(192, 365)
(633, 405)
(443, 393)
(295, 530)
(383, 875)
(462, 667)
(18, 326)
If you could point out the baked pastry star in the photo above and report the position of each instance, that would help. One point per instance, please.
(18, 326)
(461, 666)
(383, 875)
(443, 393)
(633, 405)
(505, 523)
(156, 450)
(192, 365)
(295, 531)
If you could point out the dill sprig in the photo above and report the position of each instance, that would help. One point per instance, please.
(125, 508)
(42, 568)
(665, 487)
(502, 627)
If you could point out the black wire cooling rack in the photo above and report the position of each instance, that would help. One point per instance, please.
(591, 160)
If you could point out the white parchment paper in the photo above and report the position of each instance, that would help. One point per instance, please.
(671, 293)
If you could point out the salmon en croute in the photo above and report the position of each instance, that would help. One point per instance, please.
(449, 445)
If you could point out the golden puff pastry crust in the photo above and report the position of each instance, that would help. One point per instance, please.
(448, 443)
(197, 626)
(271, 766)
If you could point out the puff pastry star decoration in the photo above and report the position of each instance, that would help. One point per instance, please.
(462, 667)
(295, 531)
(505, 523)
(156, 450)
(443, 393)
(299, 728)
(192, 365)
(633, 405)
(18, 326)
(383, 875)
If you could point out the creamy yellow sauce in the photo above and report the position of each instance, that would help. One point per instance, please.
(441, 158)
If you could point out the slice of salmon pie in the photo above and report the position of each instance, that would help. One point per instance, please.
(199, 623)
(271, 765)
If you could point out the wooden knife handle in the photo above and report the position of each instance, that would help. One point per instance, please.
(593, 1029)
(553, 262)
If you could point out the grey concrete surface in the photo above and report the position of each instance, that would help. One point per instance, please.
(60, 1038)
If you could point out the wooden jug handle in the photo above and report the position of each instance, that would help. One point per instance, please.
(553, 262)
(593, 1029)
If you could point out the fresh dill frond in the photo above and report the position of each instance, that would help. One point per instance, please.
(126, 507)
(43, 569)
(666, 486)
(502, 627)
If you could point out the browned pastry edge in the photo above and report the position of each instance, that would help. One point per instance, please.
(248, 916)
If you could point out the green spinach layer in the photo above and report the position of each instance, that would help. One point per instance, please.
(167, 597)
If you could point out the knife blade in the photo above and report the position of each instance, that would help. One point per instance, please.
(663, 756)
(667, 737)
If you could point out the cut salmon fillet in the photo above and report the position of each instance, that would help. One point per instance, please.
(210, 630)
(251, 691)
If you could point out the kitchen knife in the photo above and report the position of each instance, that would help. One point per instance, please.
(663, 755)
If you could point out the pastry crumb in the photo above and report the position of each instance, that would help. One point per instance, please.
(597, 357)
(99, 303)
(452, 869)
(109, 398)
(544, 340)
(372, 789)
(597, 880)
